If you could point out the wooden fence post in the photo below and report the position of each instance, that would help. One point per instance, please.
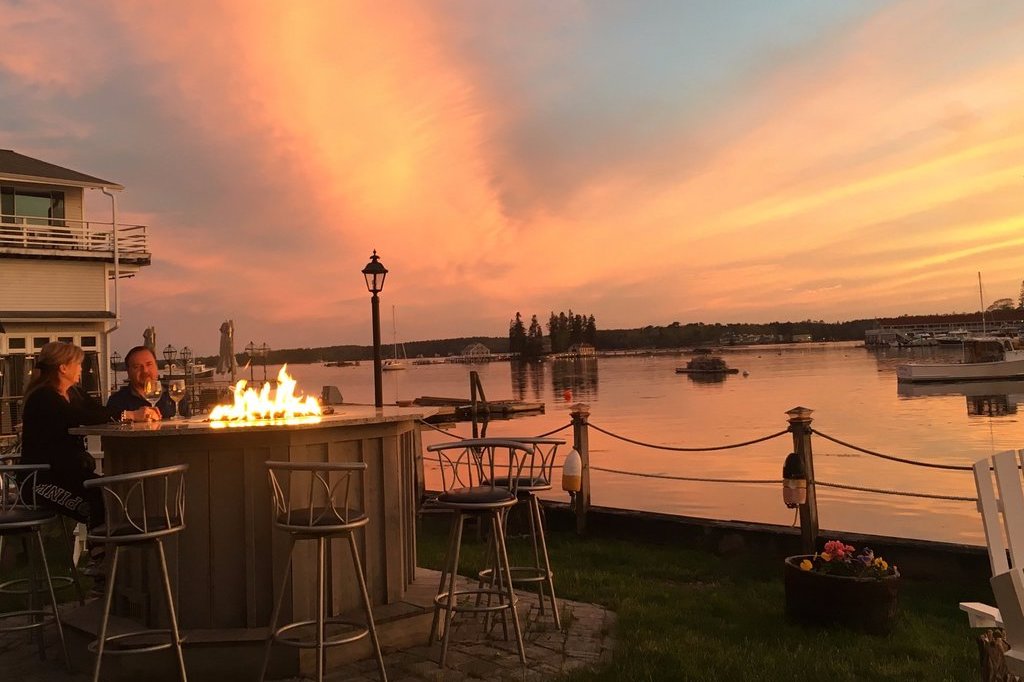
(800, 426)
(580, 441)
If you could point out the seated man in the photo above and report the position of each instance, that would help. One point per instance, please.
(141, 365)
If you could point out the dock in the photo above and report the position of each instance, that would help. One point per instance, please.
(461, 409)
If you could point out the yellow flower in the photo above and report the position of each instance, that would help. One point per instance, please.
(826, 556)
(881, 564)
(806, 565)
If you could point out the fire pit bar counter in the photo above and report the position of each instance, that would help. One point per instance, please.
(226, 563)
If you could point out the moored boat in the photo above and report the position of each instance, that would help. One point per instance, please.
(706, 364)
(985, 358)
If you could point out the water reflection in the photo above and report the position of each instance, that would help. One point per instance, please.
(575, 378)
(527, 380)
(983, 398)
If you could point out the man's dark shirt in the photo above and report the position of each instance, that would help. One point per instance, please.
(127, 399)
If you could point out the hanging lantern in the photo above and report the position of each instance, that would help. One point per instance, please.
(794, 481)
(572, 472)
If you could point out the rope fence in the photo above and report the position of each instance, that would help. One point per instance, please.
(681, 449)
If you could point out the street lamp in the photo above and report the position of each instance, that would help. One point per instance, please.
(115, 360)
(170, 353)
(250, 348)
(264, 352)
(375, 272)
(186, 360)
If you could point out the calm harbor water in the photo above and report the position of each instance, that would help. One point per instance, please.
(853, 393)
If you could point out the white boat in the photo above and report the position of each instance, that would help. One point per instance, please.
(394, 363)
(985, 358)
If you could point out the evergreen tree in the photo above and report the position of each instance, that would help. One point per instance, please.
(534, 340)
(1020, 299)
(590, 331)
(517, 335)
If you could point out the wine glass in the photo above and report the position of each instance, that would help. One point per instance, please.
(151, 391)
(176, 389)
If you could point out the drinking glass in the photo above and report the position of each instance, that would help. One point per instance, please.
(176, 389)
(152, 391)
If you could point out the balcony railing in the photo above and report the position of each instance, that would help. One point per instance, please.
(72, 237)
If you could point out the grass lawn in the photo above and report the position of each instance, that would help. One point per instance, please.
(688, 614)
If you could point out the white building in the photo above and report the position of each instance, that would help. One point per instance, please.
(59, 270)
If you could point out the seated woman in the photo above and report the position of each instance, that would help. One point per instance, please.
(54, 403)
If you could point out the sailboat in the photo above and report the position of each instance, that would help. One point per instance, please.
(395, 363)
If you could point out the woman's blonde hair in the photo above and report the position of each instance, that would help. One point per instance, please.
(46, 370)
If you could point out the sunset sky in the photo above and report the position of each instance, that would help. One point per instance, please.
(645, 162)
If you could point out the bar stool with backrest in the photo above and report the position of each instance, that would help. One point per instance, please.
(478, 479)
(20, 516)
(317, 501)
(534, 478)
(66, 523)
(140, 510)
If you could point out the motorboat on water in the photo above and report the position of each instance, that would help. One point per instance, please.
(985, 358)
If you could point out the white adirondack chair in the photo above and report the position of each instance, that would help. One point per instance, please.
(1005, 551)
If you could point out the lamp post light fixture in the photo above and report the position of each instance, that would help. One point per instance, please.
(115, 360)
(170, 354)
(375, 272)
(250, 349)
(188, 369)
(264, 352)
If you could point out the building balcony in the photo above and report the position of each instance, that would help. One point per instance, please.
(70, 239)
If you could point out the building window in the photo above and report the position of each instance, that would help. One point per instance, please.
(43, 207)
(88, 342)
(40, 341)
(15, 343)
(66, 339)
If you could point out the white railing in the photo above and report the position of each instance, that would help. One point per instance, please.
(67, 234)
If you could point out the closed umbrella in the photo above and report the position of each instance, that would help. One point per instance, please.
(226, 363)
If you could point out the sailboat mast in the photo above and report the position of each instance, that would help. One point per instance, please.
(981, 297)
(394, 331)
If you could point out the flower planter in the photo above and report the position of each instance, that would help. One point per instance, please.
(865, 604)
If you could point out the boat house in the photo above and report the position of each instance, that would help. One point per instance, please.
(59, 271)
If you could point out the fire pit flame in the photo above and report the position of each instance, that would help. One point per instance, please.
(250, 406)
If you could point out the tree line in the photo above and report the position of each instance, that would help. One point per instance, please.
(565, 330)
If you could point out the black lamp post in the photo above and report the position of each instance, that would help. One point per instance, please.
(186, 360)
(115, 360)
(264, 352)
(375, 272)
(170, 353)
(250, 348)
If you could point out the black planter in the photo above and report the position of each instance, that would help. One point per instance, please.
(864, 604)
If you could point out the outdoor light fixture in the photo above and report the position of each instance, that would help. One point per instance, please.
(115, 360)
(186, 355)
(375, 272)
(170, 353)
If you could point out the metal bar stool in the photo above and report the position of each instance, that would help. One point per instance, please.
(535, 477)
(141, 509)
(314, 501)
(20, 516)
(60, 581)
(478, 478)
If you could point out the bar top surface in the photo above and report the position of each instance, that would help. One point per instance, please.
(344, 415)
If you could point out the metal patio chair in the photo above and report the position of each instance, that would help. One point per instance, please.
(141, 509)
(21, 517)
(535, 477)
(316, 501)
(479, 478)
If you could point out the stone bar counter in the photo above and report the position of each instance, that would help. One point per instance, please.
(227, 562)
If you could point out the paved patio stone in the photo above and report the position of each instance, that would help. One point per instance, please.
(472, 654)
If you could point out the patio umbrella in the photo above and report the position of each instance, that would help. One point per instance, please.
(149, 339)
(226, 363)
